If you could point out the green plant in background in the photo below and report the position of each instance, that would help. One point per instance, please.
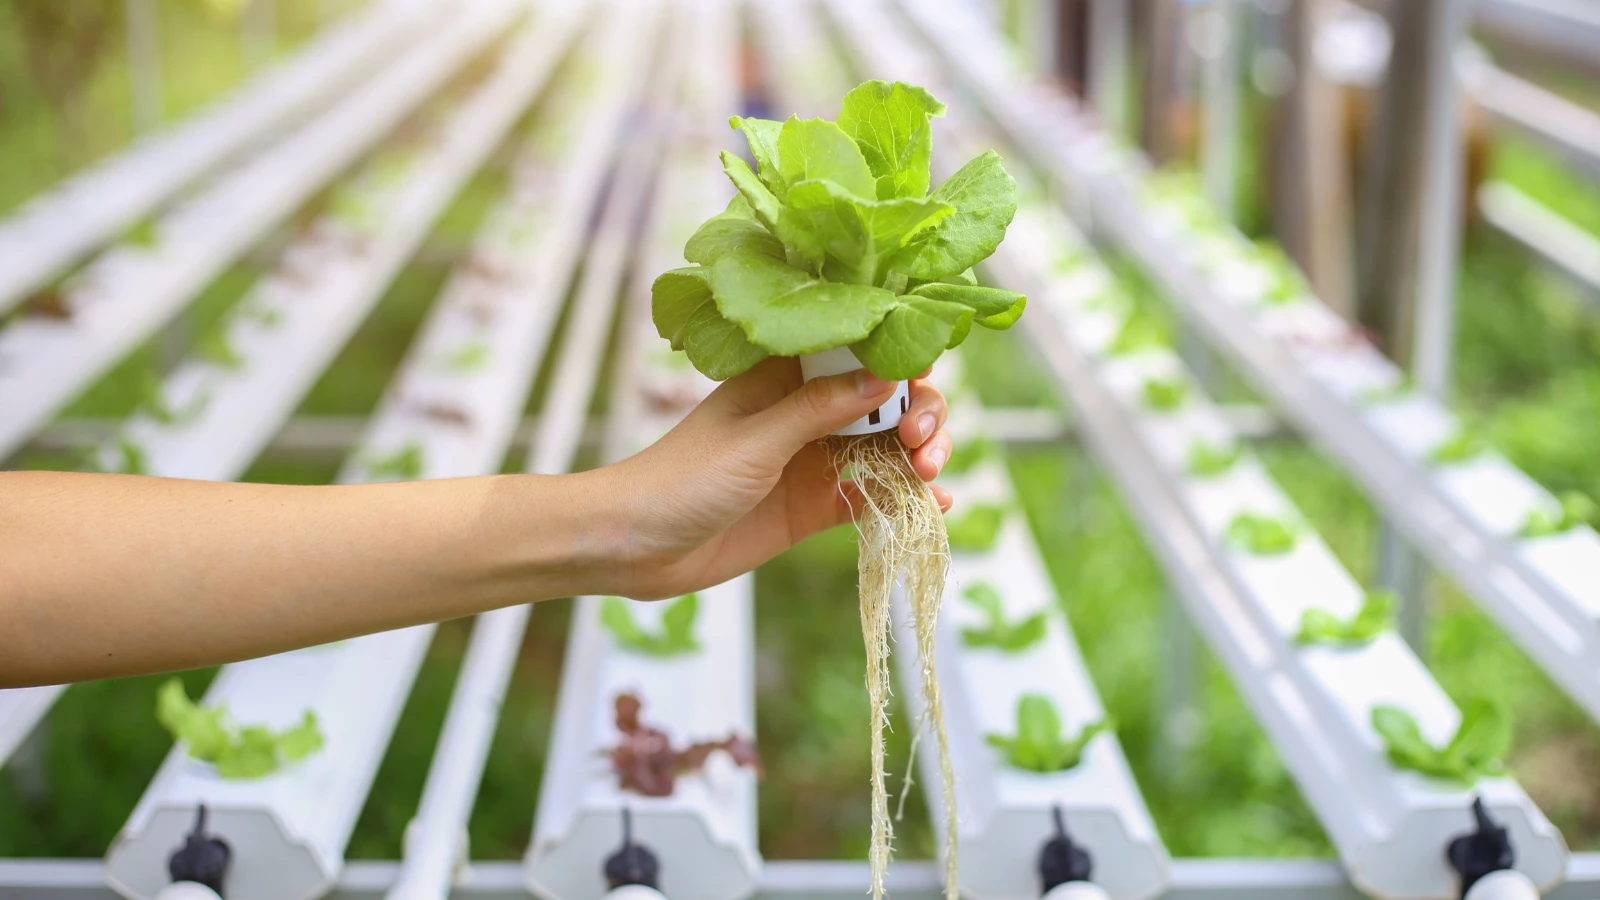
(1207, 460)
(469, 357)
(1141, 330)
(154, 403)
(1465, 445)
(1038, 745)
(977, 529)
(1261, 535)
(405, 464)
(261, 312)
(1164, 394)
(675, 638)
(215, 348)
(997, 631)
(142, 233)
(968, 454)
(252, 751)
(1376, 615)
(1476, 751)
(1388, 393)
(834, 240)
(1287, 282)
(1576, 508)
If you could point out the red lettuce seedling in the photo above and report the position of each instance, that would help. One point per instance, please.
(647, 763)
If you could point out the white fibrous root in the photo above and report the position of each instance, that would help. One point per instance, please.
(902, 539)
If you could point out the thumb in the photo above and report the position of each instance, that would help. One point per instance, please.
(817, 408)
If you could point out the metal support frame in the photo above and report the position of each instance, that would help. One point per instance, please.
(144, 62)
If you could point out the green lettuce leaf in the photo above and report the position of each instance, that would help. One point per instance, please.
(891, 125)
(819, 150)
(913, 334)
(999, 632)
(985, 198)
(675, 297)
(718, 348)
(784, 312)
(992, 307)
(731, 231)
(856, 237)
(763, 203)
(1481, 742)
(762, 135)
(675, 638)
(1039, 745)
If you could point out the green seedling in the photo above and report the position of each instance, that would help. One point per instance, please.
(1164, 394)
(143, 233)
(835, 240)
(215, 348)
(130, 460)
(237, 752)
(1038, 745)
(1210, 460)
(968, 454)
(155, 405)
(468, 357)
(1476, 751)
(675, 638)
(404, 464)
(1576, 508)
(1261, 535)
(1287, 282)
(1139, 331)
(977, 529)
(997, 632)
(1463, 446)
(1318, 626)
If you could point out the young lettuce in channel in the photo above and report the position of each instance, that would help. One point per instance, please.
(404, 464)
(237, 752)
(837, 238)
(1388, 393)
(1164, 394)
(968, 454)
(1463, 446)
(977, 529)
(1476, 751)
(1261, 535)
(1208, 460)
(1576, 508)
(1141, 330)
(1038, 745)
(675, 638)
(1287, 282)
(1376, 615)
(997, 631)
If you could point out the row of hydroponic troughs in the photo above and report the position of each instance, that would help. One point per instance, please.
(1026, 760)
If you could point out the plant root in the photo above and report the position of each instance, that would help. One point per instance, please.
(902, 538)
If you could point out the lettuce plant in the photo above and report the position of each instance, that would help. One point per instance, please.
(469, 357)
(215, 348)
(1576, 508)
(675, 638)
(1387, 393)
(997, 631)
(977, 529)
(251, 751)
(1376, 615)
(1208, 460)
(1287, 282)
(1463, 446)
(645, 761)
(1164, 394)
(1261, 535)
(1140, 331)
(1038, 745)
(154, 403)
(404, 464)
(1476, 751)
(835, 240)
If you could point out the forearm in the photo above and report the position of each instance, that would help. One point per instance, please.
(106, 575)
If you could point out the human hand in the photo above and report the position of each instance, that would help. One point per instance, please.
(743, 477)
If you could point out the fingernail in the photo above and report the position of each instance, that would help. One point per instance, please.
(937, 456)
(925, 425)
(869, 384)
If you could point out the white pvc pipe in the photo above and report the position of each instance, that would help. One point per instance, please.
(1077, 890)
(1507, 884)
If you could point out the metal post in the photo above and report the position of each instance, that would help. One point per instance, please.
(1216, 38)
(1178, 729)
(1108, 62)
(1440, 238)
(1402, 569)
(144, 63)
